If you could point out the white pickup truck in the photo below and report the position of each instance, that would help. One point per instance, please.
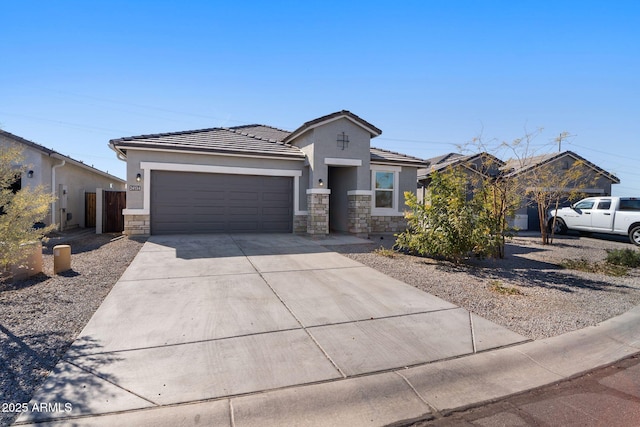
(610, 215)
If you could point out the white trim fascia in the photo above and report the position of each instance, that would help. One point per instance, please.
(208, 153)
(233, 170)
(331, 161)
(360, 193)
(296, 195)
(318, 191)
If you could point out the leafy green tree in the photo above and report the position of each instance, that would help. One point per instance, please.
(448, 224)
(19, 210)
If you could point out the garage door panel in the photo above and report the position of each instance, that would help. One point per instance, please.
(243, 213)
(190, 202)
(244, 196)
(274, 211)
(274, 197)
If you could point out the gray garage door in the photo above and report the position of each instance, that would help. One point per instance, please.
(190, 202)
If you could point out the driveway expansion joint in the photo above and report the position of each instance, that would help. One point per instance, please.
(95, 374)
(237, 377)
(432, 409)
(295, 317)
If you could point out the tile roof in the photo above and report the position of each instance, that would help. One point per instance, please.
(50, 152)
(249, 139)
(386, 156)
(26, 142)
(373, 131)
(517, 166)
(442, 162)
(444, 158)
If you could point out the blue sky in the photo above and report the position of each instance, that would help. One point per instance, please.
(430, 74)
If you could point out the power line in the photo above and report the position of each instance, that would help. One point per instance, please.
(149, 107)
(60, 122)
(607, 153)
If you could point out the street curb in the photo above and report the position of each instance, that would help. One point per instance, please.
(406, 395)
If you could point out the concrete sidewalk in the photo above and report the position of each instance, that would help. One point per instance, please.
(277, 330)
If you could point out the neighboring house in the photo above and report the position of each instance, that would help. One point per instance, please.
(484, 164)
(594, 181)
(323, 176)
(67, 178)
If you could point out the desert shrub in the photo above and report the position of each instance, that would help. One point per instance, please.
(498, 287)
(389, 253)
(625, 257)
(594, 267)
(19, 210)
(452, 224)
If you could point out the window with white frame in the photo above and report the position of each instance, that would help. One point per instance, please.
(384, 189)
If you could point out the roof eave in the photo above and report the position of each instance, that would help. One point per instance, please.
(121, 148)
(344, 114)
(593, 166)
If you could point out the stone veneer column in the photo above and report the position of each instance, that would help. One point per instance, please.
(299, 224)
(318, 211)
(359, 212)
(137, 225)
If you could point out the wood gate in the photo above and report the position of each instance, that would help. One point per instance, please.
(114, 202)
(90, 210)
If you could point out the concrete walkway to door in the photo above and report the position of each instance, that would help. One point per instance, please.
(235, 329)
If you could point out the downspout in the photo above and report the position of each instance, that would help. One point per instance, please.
(53, 190)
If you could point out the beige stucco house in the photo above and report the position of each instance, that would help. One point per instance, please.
(324, 176)
(67, 178)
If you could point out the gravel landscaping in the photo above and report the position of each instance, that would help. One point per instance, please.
(42, 316)
(527, 292)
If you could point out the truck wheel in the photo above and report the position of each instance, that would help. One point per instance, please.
(634, 235)
(560, 226)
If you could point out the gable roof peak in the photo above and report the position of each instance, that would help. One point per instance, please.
(311, 124)
(518, 166)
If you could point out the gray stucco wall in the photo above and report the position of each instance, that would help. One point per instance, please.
(321, 143)
(408, 182)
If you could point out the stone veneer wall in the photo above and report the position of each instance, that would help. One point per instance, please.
(137, 225)
(318, 217)
(299, 224)
(388, 224)
(359, 211)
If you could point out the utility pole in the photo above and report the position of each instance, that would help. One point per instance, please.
(560, 143)
(563, 135)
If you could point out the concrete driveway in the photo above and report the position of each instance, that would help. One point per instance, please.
(199, 319)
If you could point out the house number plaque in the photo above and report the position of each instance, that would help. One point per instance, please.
(133, 187)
